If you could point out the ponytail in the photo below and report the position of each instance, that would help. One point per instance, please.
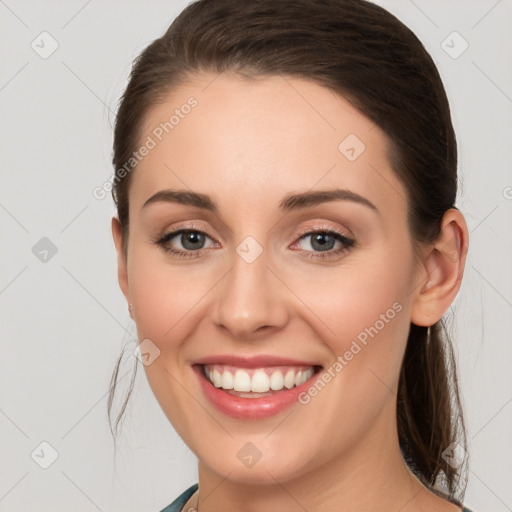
(429, 426)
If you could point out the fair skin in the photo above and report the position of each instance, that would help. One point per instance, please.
(248, 144)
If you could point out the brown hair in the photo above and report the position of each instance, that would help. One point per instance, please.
(362, 52)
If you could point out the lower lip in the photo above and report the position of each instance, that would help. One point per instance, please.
(250, 408)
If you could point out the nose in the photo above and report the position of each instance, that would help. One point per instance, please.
(251, 300)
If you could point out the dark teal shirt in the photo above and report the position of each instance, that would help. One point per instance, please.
(178, 503)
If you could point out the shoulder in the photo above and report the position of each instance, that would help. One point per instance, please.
(178, 503)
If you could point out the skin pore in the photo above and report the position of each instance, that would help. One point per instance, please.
(248, 145)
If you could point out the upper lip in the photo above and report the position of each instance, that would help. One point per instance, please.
(257, 361)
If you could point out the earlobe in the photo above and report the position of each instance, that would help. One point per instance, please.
(122, 273)
(443, 270)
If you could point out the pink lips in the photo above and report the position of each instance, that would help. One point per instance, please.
(250, 408)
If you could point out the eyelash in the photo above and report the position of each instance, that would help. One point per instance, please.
(348, 243)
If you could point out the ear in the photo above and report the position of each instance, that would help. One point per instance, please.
(122, 273)
(442, 270)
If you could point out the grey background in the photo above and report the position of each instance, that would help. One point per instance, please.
(64, 321)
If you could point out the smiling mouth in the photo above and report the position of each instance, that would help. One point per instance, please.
(257, 382)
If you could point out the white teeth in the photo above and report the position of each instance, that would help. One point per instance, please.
(289, 379)
(260, 382)
(217, 378)
(276, 381)
(227, 380)
(242, 381)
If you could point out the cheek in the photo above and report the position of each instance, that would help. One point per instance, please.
(362, 313)
(166, 297)
(358, 301)
(167, 306)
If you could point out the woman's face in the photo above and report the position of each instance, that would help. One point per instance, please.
(259, 283)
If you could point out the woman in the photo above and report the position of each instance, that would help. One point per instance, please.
(288, 242)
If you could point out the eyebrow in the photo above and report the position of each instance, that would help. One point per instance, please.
(289, 203)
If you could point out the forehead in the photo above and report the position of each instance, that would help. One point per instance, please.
(254, 139)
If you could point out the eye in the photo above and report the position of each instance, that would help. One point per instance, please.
(320, 243)
(192, 241)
